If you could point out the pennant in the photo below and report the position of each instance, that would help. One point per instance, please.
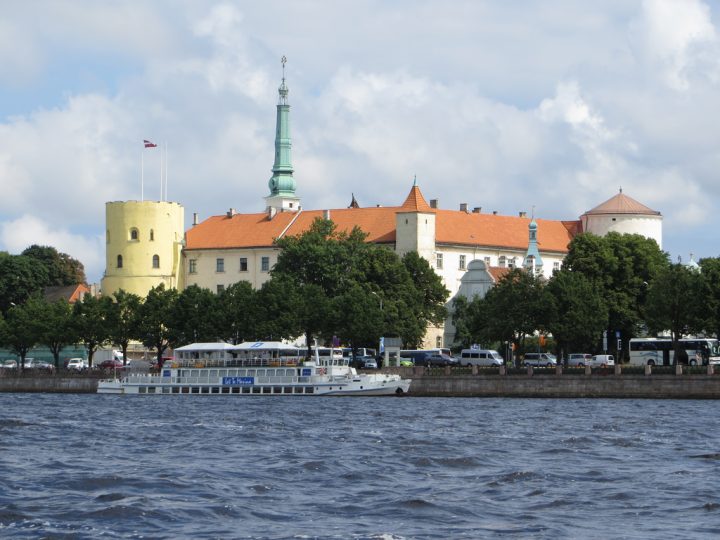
(149, 144)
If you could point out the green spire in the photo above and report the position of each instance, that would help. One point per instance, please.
(282, 182)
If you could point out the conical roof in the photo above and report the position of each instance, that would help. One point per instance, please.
(622, 204)
(415, 202)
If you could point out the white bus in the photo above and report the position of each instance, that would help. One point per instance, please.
(659, 351)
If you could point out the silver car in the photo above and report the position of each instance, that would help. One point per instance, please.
(579, 359)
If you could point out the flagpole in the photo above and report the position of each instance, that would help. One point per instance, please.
(142, 174)
(161, 174)
(166, 171)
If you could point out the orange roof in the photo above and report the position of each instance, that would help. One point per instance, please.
(451, 227)
(622, 204)
(497, 272)
(415, 202)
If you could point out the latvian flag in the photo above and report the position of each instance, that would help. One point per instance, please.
(149, 144)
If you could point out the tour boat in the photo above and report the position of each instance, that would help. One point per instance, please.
(254, 368)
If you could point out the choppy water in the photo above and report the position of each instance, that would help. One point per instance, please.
(88, 466)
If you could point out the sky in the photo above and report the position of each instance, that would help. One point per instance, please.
(548, 106)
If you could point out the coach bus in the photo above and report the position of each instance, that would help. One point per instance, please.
(660, 352)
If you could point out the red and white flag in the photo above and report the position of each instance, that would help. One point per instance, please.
(149, 144)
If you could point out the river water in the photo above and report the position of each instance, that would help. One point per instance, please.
(89, 466)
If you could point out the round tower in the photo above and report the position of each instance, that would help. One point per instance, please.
(624, 215)
(144, 242)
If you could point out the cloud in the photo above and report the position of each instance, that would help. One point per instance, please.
(18, 234)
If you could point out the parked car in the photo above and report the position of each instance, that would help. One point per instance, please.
(369, 362)
(602, 360)
(438, 359)
(32, 363)
(111, 364)
(406, 362)
(77, 364)
(480, 357)
(579, 359)
(540, 359)
(8, 364)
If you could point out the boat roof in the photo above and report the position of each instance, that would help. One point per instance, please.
(206, 347)
(263, 345)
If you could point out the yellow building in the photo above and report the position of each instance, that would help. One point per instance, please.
(144, 241)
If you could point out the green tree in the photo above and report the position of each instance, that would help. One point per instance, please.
(194, 317)
(580, 314)
(56, 326)
(22, 330)
(620, 266)
(671, 304)
(470, 320)
(279, 308)
(155, 312)
(708, 304)
(20, 278)
(62, 269)
(91, 321)
(238, 309)
(124, 320)
(433, 294)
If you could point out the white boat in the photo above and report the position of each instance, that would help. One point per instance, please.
(255, 368)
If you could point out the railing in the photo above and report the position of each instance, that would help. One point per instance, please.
(234, 362)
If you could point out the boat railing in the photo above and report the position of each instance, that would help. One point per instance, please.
(236, 362)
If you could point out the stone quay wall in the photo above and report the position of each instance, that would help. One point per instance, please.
(50, 384)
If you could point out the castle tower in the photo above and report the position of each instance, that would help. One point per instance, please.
(282, 184)
(533, 261)
(624, 215)
(144, 241)
(415, 226)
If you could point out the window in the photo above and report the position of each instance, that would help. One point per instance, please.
(134, 234)
(511, 262)
(219, 265)
(119, 261)
(439, 261)
(152, 235)
(220, 288)
(243, 264)
(192, 266)
(265, 264)
(501, 261)
(438, 341)
(462, 262)
(487, 261)
(556, 265)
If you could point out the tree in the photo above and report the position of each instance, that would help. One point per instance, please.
(238, 313)
(709, 301)
(155, 312)
(91, 321)
(124, 320)
(470, 320)
(671, 304)
(279, 308)
(61, 268)
(22, 332)
(620, 266)
(194, 317)
(433, 293)
(56, 328)
(580, 313)
(20, 278)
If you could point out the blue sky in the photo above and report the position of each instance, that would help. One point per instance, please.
(504, 105)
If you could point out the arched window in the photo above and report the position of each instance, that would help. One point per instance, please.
(119, 261)
(156, 261)
(134, 235)
(152, 235)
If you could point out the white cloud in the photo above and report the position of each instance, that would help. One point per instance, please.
(18, 234)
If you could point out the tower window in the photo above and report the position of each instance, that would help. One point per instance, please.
(461, 265)
(119, 261)
(152, 235)
(134, 235)
(192, 266)
(219, 265)
(156, 261)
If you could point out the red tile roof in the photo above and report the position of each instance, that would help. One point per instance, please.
(415, 202)
(622, 204)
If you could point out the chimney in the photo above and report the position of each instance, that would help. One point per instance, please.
(272, 212)
(522, 214)
(477, 209)
(195, 218)
(434, 203)
(231, 212)
(494, 212)
(326, 214)
(463, 207)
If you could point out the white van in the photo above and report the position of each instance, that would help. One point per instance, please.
(480, 357)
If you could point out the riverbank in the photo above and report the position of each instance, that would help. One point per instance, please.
(667, 383)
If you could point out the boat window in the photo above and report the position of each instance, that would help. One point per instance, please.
(213, 373)
(185, 390)
(141, 390)
(260, 373)
(151, 389)
(309, 390)
(205, 390)
(175, 390)
(195, 390)
(166, 390)
(226, 390)
(222, 372)
(235, 389)
(288, 390)
(215, 390)
(277, 389)
(266, 389)
(245, 389)
(256, 390)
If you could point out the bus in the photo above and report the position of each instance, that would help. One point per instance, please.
(359, 352)
(659, 351)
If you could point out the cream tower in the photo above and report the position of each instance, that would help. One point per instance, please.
(144, 241)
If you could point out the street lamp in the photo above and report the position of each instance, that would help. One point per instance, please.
(379, 298)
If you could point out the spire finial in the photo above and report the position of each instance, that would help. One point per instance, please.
(620, 189)
(283, 90)
(414, 180)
